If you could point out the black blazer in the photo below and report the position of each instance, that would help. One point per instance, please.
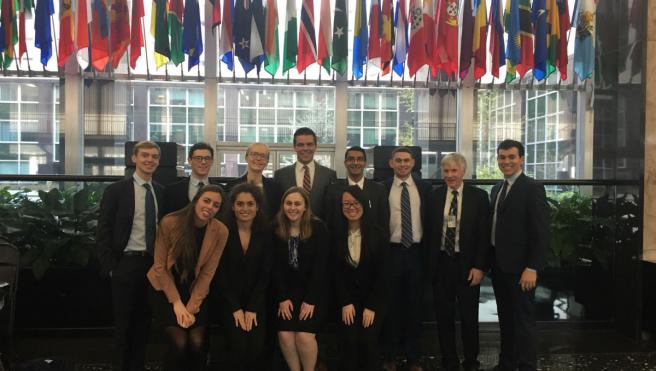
(243, 279)
(115, 221)
(272, 193)
(522, 234)
(424, 188)
(367, 284)
(473, 237)
(176, 195)
(313, 256)
(377, 209)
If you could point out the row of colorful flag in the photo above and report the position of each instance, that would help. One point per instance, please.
(445, 35)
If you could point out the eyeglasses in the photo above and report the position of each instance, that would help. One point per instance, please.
(258, 155)
(202, 158)
(351, 205)
(355, 159)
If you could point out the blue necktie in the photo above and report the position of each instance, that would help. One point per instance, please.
(151, 219)
(406, 216)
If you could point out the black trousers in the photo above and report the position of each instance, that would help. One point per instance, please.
(451, 292)
(402, 324)
(358, 346)
(516, 322)
(131, 312)
(246, 350)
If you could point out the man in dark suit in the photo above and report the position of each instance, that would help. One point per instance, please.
(519, 236)
(125, 242)
(257, 159)
(458, 250)
(179, 194)
(408, 201)
(306, 172)
(355, 161)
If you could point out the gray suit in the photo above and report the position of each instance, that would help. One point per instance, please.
(323, 177)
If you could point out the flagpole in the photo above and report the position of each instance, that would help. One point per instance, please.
(90, 66)
(319, 73)
(54, 39)
(29, 68)
(234, 68)
(305, 76)
(109, 41)
(143, 32)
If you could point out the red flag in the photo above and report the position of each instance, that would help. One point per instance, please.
(136, 39)
(466, 39)
(526, 36)
(99, 35)
(565, 26)
(428, 14)
(445, 52)
(66, 29)
(373, 52)
(480, 39)
(22, 44)
(216, 13)
(120, 28)
(417, 56)
(386, 41)
(497, 47)
(307, 46)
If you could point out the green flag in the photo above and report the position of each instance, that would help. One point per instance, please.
(291, 44)
(176, 9)
(271, 38)
(159, 28)
(340, 38)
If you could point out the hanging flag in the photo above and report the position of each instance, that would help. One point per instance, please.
(360, 38)
(445, 50)
(227, 37)
(584, 46)
(526, 35)
(42, 31)
(175, 14)
(84, 17)
(428, 13)
(8, 28)
(120, 29)
(417, 56)
(290, 48)
(387, 40)
(307, 45)
(340, 38)
(192, 35)
(480, 38)
(513, 51)
(271, 38)
(257, 34)
(401, 40)
(216, 14)
(136, 41)
(375, 34)
(66, 32)
(565, 25)
(243, 19)
(159, 28)
(99, 35)
(539, 18)
(466, 39)
(553, 35)
(24, 13)
(497, 47)
(325, 36)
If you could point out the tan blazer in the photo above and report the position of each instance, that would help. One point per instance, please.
(160, 275)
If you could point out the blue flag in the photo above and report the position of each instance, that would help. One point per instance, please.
(227, 36)
(513, 48)
(585, 14)
(360, 39)
(42, 31)
(401, 41)
(242, 31)
(539, 15)
(192, 38)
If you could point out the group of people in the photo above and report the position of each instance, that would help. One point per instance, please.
(281, 257)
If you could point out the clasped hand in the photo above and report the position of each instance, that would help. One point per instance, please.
(182, 315)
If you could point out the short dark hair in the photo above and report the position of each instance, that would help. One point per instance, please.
(356, 149)
(199, 146)
(403, 149)
(510, 143)
(305, 131)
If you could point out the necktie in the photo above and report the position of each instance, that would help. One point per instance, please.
(307, 186)
(450, 237)
(151, 219)
(200, 186)
(406, 216)
(502, 196)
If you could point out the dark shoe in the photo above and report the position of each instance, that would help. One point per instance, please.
(413, 366)
(389, 366)
(321, 365)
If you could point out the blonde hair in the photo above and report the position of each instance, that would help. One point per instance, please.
(282, 223)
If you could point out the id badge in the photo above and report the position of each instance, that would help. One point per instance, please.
(451, 221)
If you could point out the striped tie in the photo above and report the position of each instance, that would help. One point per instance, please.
(307, 186)
(450, 237)
(406, 216)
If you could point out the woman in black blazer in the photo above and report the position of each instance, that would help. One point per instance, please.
(300, 279)
(361, 271)
(243, 278)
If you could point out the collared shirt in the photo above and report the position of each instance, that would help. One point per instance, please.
(395, 210)
(193, 186)
(300, 173)
(359, 183)
(511, 180)
(355, 247)
(137, 240)
(447, 210)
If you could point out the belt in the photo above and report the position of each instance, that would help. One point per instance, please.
(136, 253)
(394, 244)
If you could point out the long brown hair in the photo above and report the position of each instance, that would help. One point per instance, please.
(183, 234)
(260, 222)
(283, 225)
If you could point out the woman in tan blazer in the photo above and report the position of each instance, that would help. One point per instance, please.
(188, 248)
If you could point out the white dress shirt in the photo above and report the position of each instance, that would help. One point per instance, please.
(447, 210)
(300, 173)
(395, 210)
(355, 246)
(193, 186)
(359, 183)
(137, 240)
(511, 180)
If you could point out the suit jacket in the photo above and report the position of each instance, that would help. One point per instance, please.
(160, 275)
(522, 234)
(323, 177)
(115, 221)
(272, 193)
(243, 279)
(473, 236)
(377, 209)
(424, 188)
(176, 195)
